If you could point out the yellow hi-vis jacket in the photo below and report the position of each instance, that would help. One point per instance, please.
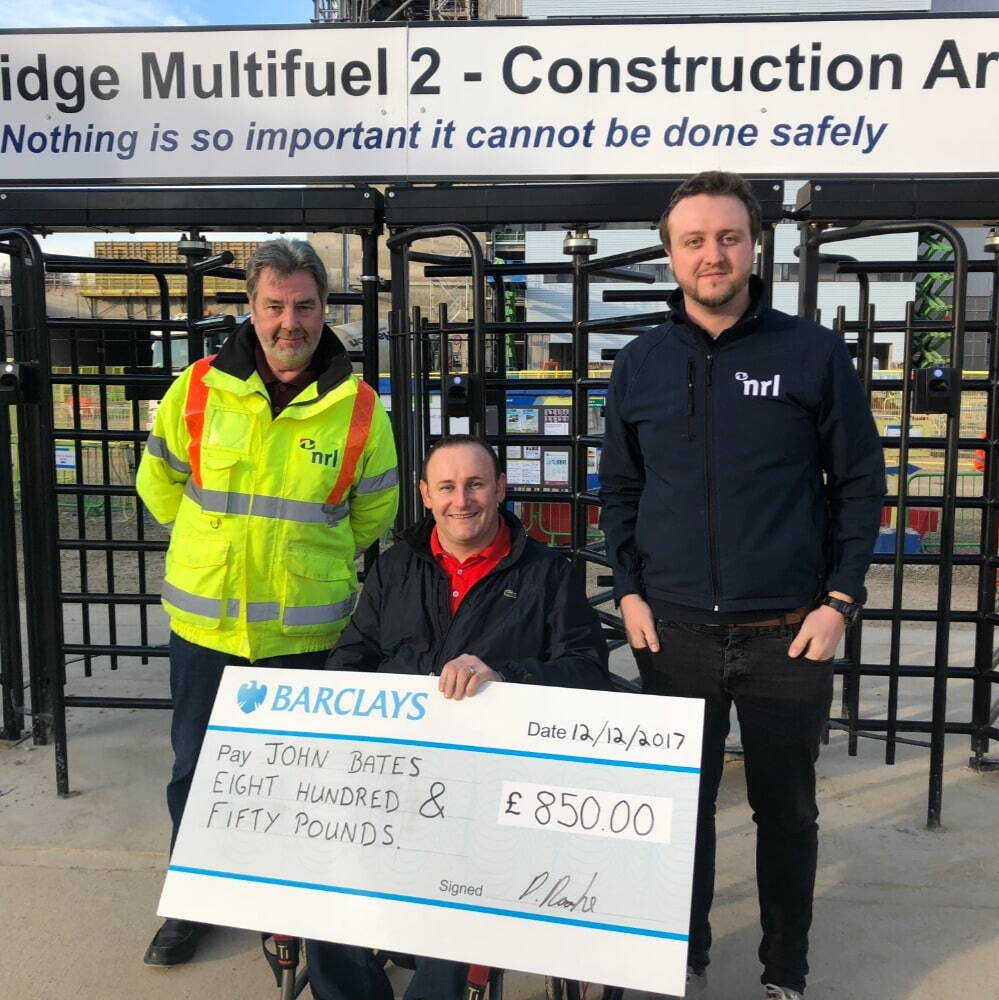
(268, 513)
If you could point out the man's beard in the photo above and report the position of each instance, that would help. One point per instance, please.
(290, 352)
(720, 297)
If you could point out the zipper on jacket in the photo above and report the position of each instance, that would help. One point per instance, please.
(447, 618)
(691, 371)
(709, 486)
(446, 610)
(446, 607)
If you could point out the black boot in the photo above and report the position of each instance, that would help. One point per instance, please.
(175, 942)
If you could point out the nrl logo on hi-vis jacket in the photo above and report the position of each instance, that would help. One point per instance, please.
(319, 457)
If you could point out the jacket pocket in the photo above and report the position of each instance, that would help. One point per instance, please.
(229, 430)
(319, 592)
(219, 476)
(194, 584)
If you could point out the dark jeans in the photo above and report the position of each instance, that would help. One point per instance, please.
(783, 705)
(345, 972)
(195, 675)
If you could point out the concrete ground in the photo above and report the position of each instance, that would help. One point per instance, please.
(902, 912)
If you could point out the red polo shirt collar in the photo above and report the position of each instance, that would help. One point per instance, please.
(462, 576)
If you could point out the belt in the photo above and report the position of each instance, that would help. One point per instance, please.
(789, 618)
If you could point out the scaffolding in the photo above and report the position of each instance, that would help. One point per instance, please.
(118, 286)
(361, 11)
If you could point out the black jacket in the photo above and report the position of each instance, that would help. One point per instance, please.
(529, 618)
(742, 473)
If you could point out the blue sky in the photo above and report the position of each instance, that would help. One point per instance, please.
(148, 13)
(141, 13)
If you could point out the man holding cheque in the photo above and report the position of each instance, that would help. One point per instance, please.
(467, 595)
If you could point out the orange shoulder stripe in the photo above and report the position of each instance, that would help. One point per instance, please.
(357, 436)
(194, 413)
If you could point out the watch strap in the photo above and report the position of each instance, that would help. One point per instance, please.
(850, 611)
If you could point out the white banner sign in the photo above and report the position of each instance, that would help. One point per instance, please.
(541, 829)
(875, 95)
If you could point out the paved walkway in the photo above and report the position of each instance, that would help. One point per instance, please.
(902, 913)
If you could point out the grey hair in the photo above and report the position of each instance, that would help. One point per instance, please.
(285, 257)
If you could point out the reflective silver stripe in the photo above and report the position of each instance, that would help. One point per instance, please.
(302, 511)
(232, 607)
(262, 611)
(157, 447)
(372, 484)
(335, 513)
(217, 501)
(280, 508)
(207, 607)
(320, 614)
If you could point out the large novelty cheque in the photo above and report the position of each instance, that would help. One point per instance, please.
(543, 829)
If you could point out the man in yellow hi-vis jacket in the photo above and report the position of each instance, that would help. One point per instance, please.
(274, 465)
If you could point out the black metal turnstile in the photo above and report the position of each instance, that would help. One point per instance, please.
(582, 206)
(92, 559)
(578, 208)
(949, 503)
(91, 573)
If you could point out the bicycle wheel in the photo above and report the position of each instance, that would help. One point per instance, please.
(570, 989)
(554, 988)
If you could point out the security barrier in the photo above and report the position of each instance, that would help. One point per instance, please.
(940, 412)
(558, 494)
(92, 558)
(81, 426)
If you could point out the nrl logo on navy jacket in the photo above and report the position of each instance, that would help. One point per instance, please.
(759, 387)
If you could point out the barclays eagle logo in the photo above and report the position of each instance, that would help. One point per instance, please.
(251, 696)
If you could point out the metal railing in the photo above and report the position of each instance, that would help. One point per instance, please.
(92, 558)
(954, 526)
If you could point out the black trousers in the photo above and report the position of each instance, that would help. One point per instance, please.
(782, 704)
(345, 972)
(195, 675)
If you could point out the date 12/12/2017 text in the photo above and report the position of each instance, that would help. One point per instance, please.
(607, 735)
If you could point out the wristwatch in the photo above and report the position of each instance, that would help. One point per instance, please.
(851, 612)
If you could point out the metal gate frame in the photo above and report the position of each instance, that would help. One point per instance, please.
(409, 212)
(479, 207)
(925, 204)
(29, 386)
(413, 213)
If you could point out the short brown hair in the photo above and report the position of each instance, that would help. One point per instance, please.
(453, 440)
(719, 183)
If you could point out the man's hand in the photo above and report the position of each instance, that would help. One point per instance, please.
(819, 634)
(640, 623)
(464, 675)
